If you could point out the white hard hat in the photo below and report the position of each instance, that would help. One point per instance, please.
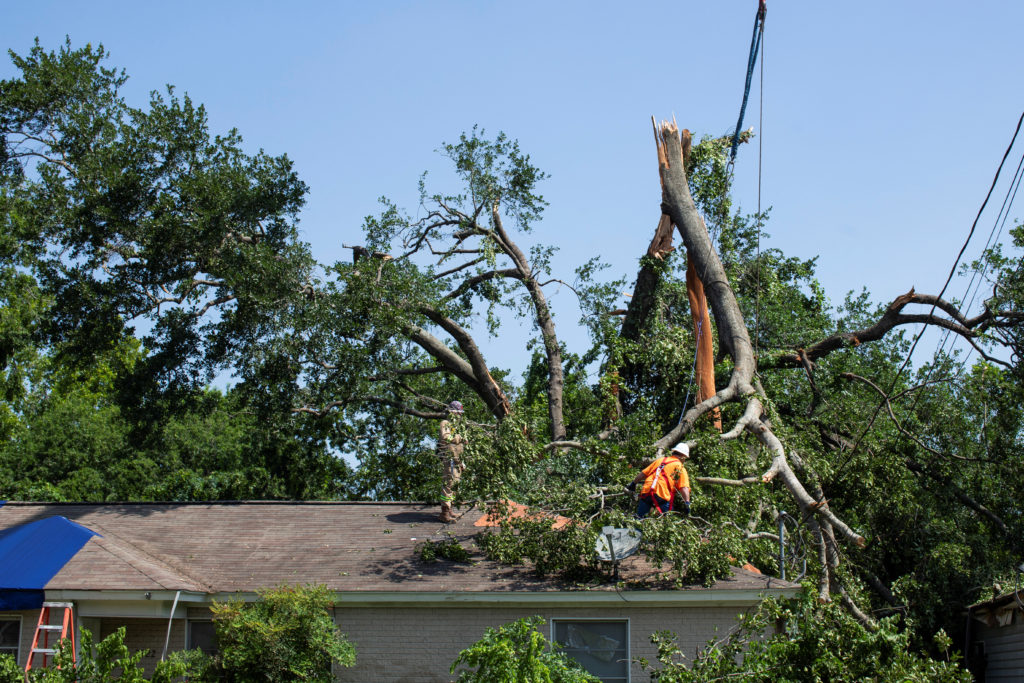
(681, 449)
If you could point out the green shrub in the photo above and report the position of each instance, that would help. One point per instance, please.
(109, 661)
(801, 640)
(517, 653)
(287, 636)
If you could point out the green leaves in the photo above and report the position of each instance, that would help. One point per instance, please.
(287, 636)
(496, 171)
(800, 640)
(141, 216)
(517, 653)
(108, 661)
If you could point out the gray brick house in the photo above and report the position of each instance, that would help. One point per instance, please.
(156, 567)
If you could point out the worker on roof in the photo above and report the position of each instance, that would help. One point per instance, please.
(664, 480)
(450, 443)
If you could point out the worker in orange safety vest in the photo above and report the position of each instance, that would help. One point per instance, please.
(664, 479)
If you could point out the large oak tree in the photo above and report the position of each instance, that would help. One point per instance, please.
(125, 225)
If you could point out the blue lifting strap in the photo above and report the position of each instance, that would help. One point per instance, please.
(755, 45)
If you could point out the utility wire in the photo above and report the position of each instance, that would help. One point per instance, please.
(760, 154)
(994, 237)
(949, 278)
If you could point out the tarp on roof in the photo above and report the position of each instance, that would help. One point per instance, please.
(31, 554)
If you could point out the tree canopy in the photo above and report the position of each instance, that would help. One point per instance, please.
(144, 257)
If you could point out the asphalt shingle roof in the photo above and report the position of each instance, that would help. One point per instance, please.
(245, 546)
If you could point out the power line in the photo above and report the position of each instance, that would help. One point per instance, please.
(760, 154)
(994, 237)
(949, 278)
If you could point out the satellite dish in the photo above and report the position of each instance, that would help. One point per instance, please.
(616, 543)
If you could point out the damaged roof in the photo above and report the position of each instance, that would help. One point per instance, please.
(352, 547)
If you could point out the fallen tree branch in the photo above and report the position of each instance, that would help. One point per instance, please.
(742, 387)
(968, 328)
(576, 445)
(408, 410)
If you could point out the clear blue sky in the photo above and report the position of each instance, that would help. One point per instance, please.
(883, 121)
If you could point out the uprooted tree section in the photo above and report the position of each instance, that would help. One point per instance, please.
(142, 256)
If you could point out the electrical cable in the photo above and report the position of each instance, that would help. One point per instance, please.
(760, 152)
(1007, 204)
(949, 278)
(993, 237)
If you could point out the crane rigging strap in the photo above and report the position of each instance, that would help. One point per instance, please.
(755, 46)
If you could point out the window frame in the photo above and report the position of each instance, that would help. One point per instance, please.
(603, 620)
(188, 634)
(21, 622)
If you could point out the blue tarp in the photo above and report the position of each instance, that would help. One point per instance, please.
(31, 554)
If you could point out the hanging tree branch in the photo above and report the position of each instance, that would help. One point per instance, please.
(968, 328)
(678, 204)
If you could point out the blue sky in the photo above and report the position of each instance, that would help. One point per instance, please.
(883, 121)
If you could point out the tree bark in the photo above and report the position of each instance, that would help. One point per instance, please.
(732, 330)
(475, 375)
(556, 376)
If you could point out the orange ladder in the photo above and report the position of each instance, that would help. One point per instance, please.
(44, 627)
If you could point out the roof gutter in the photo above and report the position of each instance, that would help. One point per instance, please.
(159, 603)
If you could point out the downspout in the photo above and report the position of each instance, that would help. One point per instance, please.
(782, 545)
(967, 639)
(170, 621)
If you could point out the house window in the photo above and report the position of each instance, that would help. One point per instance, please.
(202, 636)
(10, 635)
(600, 646)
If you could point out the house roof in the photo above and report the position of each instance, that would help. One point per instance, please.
(224, 547)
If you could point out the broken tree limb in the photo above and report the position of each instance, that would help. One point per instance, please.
(752, 480)
(678, 204)
(556, 375)
(968, 328)
(704, 365)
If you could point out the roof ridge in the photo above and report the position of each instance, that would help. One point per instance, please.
(184, 503)
(122, 543)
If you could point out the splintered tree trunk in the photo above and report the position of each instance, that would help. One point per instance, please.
(742, 387)
(705, 361)
(702, 332)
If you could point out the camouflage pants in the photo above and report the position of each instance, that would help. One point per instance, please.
(452, 473)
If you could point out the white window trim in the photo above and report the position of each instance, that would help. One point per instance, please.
(629, 652)
(21, 623)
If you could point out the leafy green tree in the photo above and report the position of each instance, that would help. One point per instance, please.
(143, 243)
(517, 652)
(137, 228)
(795, 649)
(287, 636)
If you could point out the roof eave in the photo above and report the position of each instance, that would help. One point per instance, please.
(157, 604)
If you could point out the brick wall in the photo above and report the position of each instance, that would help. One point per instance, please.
(146, 634)
(140, 634)
(410, 645)
(418, 645)
(29, 619)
